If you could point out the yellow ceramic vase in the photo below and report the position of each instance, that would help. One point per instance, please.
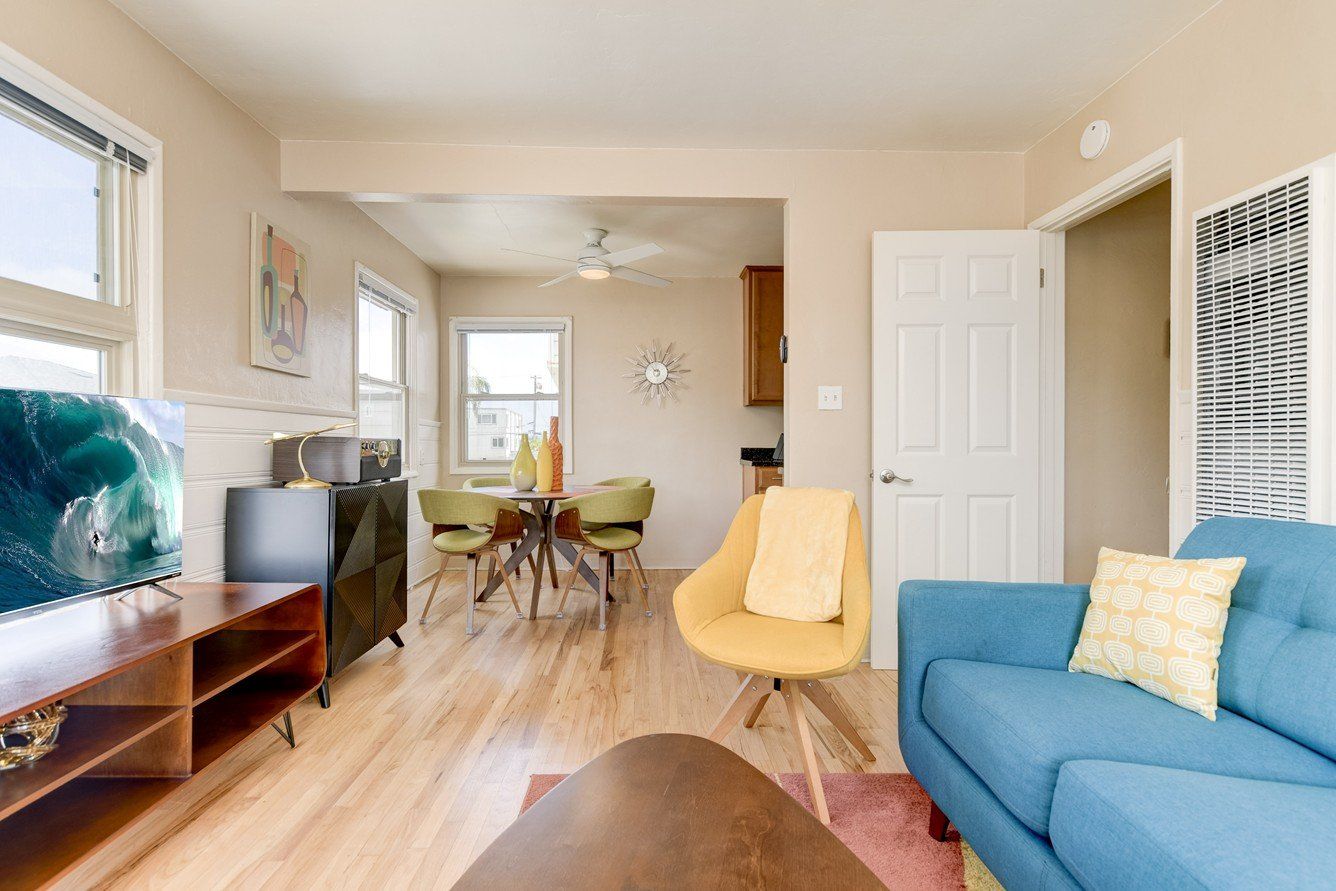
(544, 466)
(524, 473)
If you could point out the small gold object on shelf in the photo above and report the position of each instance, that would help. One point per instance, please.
(28, 737)
(306, 481)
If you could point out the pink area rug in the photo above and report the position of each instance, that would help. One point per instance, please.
(882, 817)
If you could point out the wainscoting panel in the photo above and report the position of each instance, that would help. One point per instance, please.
(225, 447)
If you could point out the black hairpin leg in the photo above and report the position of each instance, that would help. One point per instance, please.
(323, 694)
(286, 730)
(398, 641)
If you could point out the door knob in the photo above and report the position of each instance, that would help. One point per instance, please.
(888, 476)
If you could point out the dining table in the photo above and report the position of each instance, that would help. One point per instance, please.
(539, 539)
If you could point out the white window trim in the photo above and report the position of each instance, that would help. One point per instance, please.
(131, 333)
(459, 324)
(411, 460)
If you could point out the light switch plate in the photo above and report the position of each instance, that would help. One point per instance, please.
(830, 398)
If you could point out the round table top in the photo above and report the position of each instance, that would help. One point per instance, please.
(516, 495)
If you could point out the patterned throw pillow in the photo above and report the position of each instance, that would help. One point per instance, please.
(1158, 623)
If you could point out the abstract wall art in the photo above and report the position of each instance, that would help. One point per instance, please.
(279, 299)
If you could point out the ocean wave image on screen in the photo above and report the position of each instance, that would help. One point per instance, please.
(90, 493)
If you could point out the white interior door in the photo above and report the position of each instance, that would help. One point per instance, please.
(955, 413)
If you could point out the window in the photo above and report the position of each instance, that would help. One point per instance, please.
(385, 322)
(509, 378)
(70, 259)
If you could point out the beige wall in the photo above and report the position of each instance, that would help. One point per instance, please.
(689, 450)
(1249, 88)
(835, 201)
(218, 166)
(1117, 383)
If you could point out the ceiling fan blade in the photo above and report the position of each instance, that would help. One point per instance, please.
(631, 255)
(644, 278)
(544, 256)
(559, 279)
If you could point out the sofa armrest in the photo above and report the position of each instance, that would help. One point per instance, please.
(1027, 624)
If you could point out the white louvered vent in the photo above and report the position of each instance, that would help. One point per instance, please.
(1252, 356)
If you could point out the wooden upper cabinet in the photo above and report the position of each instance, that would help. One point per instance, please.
(762, 325)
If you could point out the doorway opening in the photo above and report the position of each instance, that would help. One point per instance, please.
(1117, 411)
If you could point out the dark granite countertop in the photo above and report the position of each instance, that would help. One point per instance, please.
(761, 457)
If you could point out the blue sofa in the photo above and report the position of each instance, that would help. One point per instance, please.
(1062, 780)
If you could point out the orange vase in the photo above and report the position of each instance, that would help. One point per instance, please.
(558, 455)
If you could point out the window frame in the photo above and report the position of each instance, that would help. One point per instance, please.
(407, 358)
(125, 322)
(458, 328)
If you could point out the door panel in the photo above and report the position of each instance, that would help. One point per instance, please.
(956, 416)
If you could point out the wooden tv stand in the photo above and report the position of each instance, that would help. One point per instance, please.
(157, 690)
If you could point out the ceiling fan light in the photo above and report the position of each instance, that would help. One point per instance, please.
(594, 272)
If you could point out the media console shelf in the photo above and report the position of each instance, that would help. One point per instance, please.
(157, 690)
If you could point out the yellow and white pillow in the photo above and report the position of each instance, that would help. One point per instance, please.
(1158, 623)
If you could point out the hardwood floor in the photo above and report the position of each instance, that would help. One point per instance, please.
(427, 751)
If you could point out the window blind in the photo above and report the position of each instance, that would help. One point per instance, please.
(30, 106)
(1252, 356)
(367, 288)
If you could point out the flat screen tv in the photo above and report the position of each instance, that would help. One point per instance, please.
(90, 496)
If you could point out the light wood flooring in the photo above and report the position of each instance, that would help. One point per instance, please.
(427, 751)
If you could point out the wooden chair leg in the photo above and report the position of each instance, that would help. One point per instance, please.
(510, 587)
(471, 592)
(820, 696)
(570, 580)
(793, 701)
(603, 560)
(445, 561)
(638, 579)
(937, 822)
(634, 557)
(753, 687)
(756, 711)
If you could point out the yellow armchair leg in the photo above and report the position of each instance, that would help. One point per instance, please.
(793, 701)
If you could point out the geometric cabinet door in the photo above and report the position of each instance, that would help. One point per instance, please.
(956, 319)
(369, 591)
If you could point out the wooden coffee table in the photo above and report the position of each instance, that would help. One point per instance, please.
(667, 811)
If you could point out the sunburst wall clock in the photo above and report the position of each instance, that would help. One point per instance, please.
(658, 373)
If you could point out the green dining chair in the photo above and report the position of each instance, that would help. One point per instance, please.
(626, 482)
(620, 515)
(487, 482)
(470, 524)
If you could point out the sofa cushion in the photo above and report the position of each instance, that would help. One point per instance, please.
(1278, 661)
(1130, 826)
(1015, 727)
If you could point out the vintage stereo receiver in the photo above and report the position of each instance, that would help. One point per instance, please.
(339, 459)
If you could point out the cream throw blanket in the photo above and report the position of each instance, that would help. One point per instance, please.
(799, 565)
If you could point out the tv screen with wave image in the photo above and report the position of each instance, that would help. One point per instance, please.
(90, 495)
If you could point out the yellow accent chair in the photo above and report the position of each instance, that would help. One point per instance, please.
(470, 524)
(773, 655)
(605, 523)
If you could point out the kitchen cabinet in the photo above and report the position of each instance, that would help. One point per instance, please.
(762, 326)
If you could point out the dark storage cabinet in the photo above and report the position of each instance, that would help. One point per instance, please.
(351, 540)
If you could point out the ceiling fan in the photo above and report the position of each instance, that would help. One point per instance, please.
(596, 262)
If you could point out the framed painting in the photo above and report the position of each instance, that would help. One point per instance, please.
(280, 313)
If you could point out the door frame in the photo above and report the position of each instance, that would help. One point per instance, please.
(1165, 163)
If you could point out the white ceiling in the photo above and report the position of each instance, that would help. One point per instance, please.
(883, 74)
(466, 239)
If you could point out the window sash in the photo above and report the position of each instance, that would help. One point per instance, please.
(461, 399)
(109, 201)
